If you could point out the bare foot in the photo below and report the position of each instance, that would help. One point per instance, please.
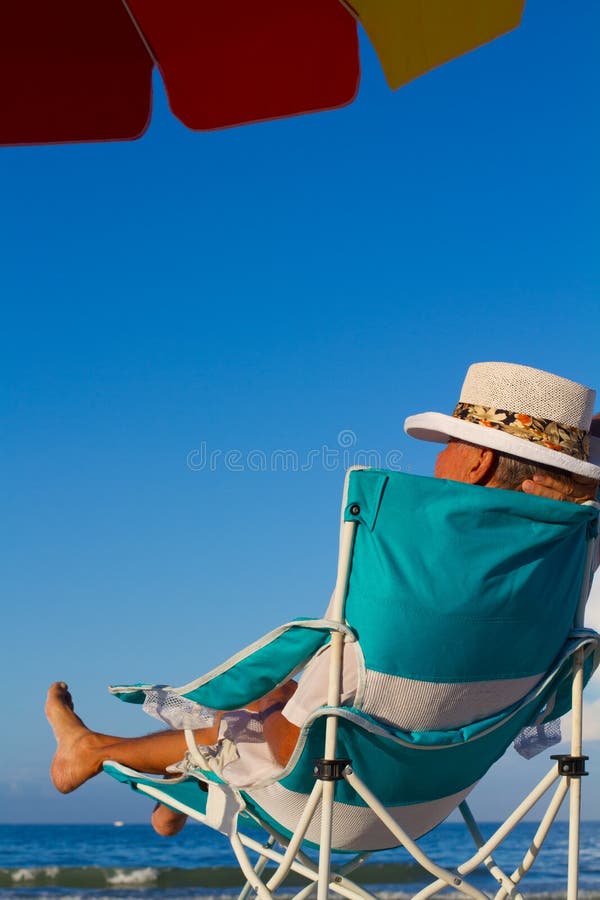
(167, 822)
(75, 759)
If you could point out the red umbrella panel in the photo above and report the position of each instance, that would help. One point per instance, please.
(72, 71)
(230, 62)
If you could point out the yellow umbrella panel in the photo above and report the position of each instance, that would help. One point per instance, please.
(412, 37)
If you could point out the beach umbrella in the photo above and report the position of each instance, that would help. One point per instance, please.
(81, 70)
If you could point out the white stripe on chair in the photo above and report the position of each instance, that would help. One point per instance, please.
(356, 827)
(424, 705)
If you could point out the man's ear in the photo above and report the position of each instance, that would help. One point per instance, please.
(482, 467)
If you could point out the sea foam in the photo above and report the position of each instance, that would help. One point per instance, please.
(132, 876)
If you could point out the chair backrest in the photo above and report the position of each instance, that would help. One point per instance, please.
(462, 598)
(454, 584)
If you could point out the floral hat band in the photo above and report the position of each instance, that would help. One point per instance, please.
(554, 435)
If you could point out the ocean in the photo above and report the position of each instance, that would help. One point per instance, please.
(130, 862)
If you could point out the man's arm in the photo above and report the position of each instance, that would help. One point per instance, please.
(281, 735)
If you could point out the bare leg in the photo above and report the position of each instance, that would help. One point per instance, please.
(166, 821)
(81, 751)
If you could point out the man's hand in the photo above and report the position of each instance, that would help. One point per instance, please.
(577, 491)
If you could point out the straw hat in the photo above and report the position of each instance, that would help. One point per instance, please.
(526, 412)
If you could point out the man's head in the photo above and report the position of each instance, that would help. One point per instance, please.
(471, 464)
(513, 423)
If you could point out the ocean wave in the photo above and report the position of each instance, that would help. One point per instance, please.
(168, 877)
(390, 880)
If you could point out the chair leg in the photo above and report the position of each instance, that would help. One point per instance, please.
(489, 862)
(302, 865)
(447, 877)
(347, 534)
(296, 840)
(258, 870)
(325, 842)
(305, 893)
(248, 871)
(575, 782)
(539, 837)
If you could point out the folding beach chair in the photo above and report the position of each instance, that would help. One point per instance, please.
(458, 598)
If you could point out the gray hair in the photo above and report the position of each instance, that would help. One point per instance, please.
(511, 472)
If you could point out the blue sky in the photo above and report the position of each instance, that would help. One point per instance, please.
(261, 289)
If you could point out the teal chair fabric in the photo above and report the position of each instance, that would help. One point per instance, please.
(469, 583)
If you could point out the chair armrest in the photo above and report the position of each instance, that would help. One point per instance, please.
(254, 671)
